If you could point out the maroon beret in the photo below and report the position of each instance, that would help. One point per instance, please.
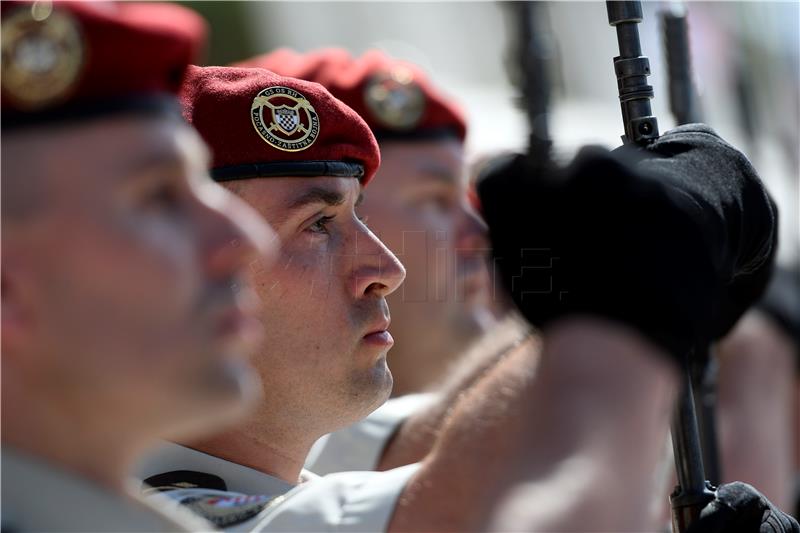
(75, 60)
(395, 97)
(259, 125)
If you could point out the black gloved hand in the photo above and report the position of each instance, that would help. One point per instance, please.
(737, 216)
(659, 243)
(740, 508)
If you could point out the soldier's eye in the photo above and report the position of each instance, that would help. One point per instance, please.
(165, 196)
(162, 195)
(320, 226)
(438, 203)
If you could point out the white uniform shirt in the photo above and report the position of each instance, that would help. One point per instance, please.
(254, 501)
(40, 497)
(361, 445)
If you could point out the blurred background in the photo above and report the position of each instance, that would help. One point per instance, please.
(745, 56)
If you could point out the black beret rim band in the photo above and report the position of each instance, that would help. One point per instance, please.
(148, 104)
(297, 169)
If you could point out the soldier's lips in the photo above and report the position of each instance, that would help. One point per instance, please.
(471, 282)
(379, 338)
(471, 287)
(379, 335)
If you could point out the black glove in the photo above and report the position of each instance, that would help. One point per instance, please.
(658, 242)
(740, 508)
(738, 218)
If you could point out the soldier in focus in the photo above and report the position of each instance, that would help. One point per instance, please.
(418, 206)
(301, 158)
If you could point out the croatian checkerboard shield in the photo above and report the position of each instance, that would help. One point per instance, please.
(286, 119)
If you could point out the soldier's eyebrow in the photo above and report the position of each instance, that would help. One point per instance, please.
(438, 172)
(188, 151)
(155, 160)
(316, 195)
(156, 165)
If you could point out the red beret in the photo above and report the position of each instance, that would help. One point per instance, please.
(74, 60)
(395, 97)
(259, 125)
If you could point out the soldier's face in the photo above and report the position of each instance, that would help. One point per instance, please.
(324, 303)
(417, 206)
(124, 292)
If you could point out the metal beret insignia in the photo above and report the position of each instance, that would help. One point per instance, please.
(42, 55)
(285, 119)
(396, 100)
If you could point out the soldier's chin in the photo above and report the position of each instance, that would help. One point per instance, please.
(384, 382)
(233, 393)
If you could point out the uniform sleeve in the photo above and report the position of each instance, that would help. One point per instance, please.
(345, 502)
(360, 446)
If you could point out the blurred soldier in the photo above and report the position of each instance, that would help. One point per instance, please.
(758, 407)
(121, 318)
(418, 207)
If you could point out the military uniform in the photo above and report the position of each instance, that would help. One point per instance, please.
(361, 445)
(41, 497)
(238, 498)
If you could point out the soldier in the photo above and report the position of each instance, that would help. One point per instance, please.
(418, 206)
(121, 317)
(301, 158)
(759, 405)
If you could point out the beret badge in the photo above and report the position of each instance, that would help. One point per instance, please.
(42, 55)
(396, 100)
(285, 119)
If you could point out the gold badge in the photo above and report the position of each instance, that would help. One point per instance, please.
(292, 124)
(396, 100)
(42, 55)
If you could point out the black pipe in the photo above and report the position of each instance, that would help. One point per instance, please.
(632, 70)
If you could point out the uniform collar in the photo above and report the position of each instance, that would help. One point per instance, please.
(169, 457)
(72, 502)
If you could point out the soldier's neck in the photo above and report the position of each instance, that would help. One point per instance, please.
(276, 454)
(69, 438)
